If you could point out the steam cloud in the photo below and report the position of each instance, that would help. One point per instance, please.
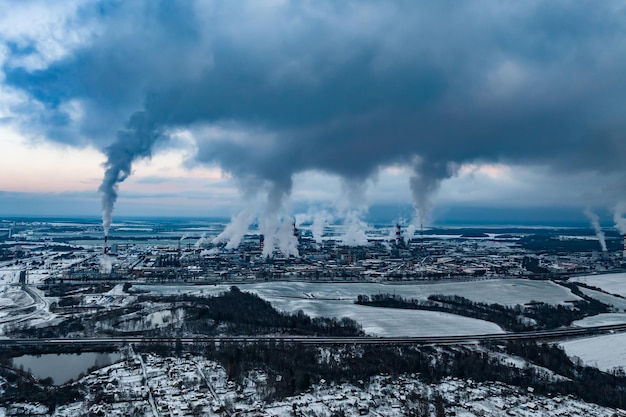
(595, 222)
(618, 217)
(237, 228)
(106, 266)
(354, 234)
(429, 85)
(424, 182)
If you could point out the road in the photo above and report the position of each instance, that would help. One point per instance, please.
(315, 340)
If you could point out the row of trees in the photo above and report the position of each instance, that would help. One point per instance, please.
(534, 316)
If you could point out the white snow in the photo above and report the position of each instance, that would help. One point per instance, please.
(604, 352)
(611, 283)
(601, 320)
(617, 302)
(153, 385)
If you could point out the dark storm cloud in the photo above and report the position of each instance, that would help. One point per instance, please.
(348, 87)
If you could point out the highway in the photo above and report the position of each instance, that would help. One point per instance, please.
(556, 334)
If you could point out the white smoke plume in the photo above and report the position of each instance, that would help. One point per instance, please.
(302, 218)
(355, 230)
(210, 252)
(202, 241)
(321, 220)
(618, 217)
(287, 242)
(237, 228)
(106, 265)
(595, 222)
(272, 222)
(184, 236)
(425, 182)
(133, 143)
(410, 232)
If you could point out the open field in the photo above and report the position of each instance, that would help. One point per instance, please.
(604, 352)
(612, 283)
(336, 299)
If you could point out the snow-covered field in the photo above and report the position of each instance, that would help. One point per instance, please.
(604, 352)
(601, 320)
(611, 283)
(501, 291)
(617, 302)
(337, 300)
(390, 322)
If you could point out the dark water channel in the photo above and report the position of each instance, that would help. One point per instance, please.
(63, 367)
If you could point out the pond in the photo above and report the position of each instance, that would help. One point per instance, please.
(63, 367)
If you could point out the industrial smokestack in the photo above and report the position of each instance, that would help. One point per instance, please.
(261, 242)
(296, 232)
(105, 250)
(398, 234)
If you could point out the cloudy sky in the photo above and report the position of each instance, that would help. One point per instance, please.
(204, 108)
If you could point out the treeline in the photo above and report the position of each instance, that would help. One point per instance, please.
(535, 316)
(239, 312)
(232, 312)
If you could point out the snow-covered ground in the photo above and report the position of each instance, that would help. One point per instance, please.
(390, 322)
(601, 320)
(604, 352)
(617, 302)
(611, 283)
(339, 303)
(337, 300)
(501, 291)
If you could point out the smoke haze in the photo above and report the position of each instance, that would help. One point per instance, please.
(345, 88)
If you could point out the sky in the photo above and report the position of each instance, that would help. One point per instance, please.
(427, 111)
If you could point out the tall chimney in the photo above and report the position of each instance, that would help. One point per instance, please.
(106, 249)
(261, 242)
(398, 234)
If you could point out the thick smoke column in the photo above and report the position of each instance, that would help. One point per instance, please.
(106, 266)
(287, 241)
(202, 241)
(425, 181)
(355, 230)
(410, 231)
(276, 226)
(237, 228)
(595, 222)
(321, 219)
(134, 142)
(618, 217)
